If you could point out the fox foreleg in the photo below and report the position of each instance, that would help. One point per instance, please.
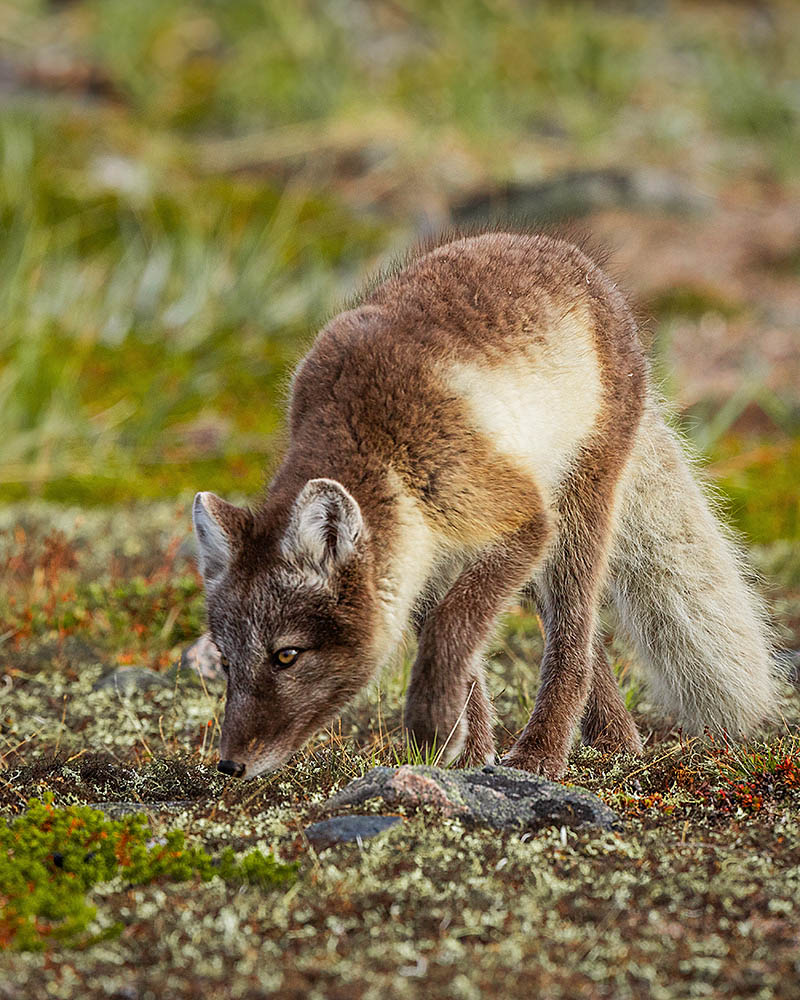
(567, 593)
(447, 705)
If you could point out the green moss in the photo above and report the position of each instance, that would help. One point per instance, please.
(760, 479)
(50, 858)
(692, 301)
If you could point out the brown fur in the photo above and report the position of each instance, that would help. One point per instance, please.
(369, 410)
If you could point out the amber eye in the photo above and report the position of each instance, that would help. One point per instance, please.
(225, 665)
(285, 657)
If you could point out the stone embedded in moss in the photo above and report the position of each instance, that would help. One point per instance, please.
(498, 797)
(345, 829)
(126, 680)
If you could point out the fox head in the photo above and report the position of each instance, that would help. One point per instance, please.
(291, 607)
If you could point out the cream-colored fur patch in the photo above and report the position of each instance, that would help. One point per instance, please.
(538, 408)
(408, 567)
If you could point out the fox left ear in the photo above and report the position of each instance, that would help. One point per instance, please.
(325, 527)
(219, 527)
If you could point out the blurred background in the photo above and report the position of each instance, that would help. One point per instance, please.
(187, 190)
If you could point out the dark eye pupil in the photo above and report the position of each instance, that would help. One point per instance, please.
(286, 657)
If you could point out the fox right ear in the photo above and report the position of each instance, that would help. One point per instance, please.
(325, 527)
(218, 526)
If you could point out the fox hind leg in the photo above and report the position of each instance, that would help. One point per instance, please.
(607, 725)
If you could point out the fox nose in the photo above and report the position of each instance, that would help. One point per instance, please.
(231, 767)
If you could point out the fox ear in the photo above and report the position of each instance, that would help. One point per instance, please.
(325, 527)
(219, 527)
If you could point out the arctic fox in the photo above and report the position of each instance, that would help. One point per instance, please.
(482, 424)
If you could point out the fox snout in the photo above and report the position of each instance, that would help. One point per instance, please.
(247, 758)
(257, 737)
(232, 768)
(250, 765)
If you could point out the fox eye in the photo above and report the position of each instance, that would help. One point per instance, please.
(285, 657)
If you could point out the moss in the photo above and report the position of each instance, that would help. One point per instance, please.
(691, 301)
(759, 480)
(50, 858)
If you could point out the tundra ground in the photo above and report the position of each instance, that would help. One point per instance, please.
(696, 895)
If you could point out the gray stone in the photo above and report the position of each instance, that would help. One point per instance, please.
(118, 810)
(498, 797)
(127, 680)
(187, 550)
(579, 192)
(72, 650)
(180, 675)
(342, 829)
(203, 658)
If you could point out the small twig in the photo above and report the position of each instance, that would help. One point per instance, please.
(137, 724)
(438, 756)
(169, 622)
(21, 743)
(650, 763)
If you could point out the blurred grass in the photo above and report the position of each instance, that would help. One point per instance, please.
(188, 189)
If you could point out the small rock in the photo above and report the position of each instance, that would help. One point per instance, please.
(127, 992)
(118, 810)
(203, 658)
(501, 798)
(187, 550)
(180, 674)
(72, 651)
(127, 680)
(579, 192)
(342, 829)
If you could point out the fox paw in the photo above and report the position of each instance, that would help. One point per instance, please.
(615, 735)
(474, 755)
(548, 765)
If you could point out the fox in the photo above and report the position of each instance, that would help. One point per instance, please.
(480, 426)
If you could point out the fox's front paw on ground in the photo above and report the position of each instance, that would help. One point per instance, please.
(547, 763)
(434, 729)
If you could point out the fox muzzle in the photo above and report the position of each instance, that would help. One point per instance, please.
(231, 767)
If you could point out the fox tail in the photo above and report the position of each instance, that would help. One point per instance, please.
(698, 627)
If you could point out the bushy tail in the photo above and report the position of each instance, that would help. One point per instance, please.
(698, 628)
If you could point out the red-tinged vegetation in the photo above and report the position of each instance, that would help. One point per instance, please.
(716, 778)
(138, 607)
